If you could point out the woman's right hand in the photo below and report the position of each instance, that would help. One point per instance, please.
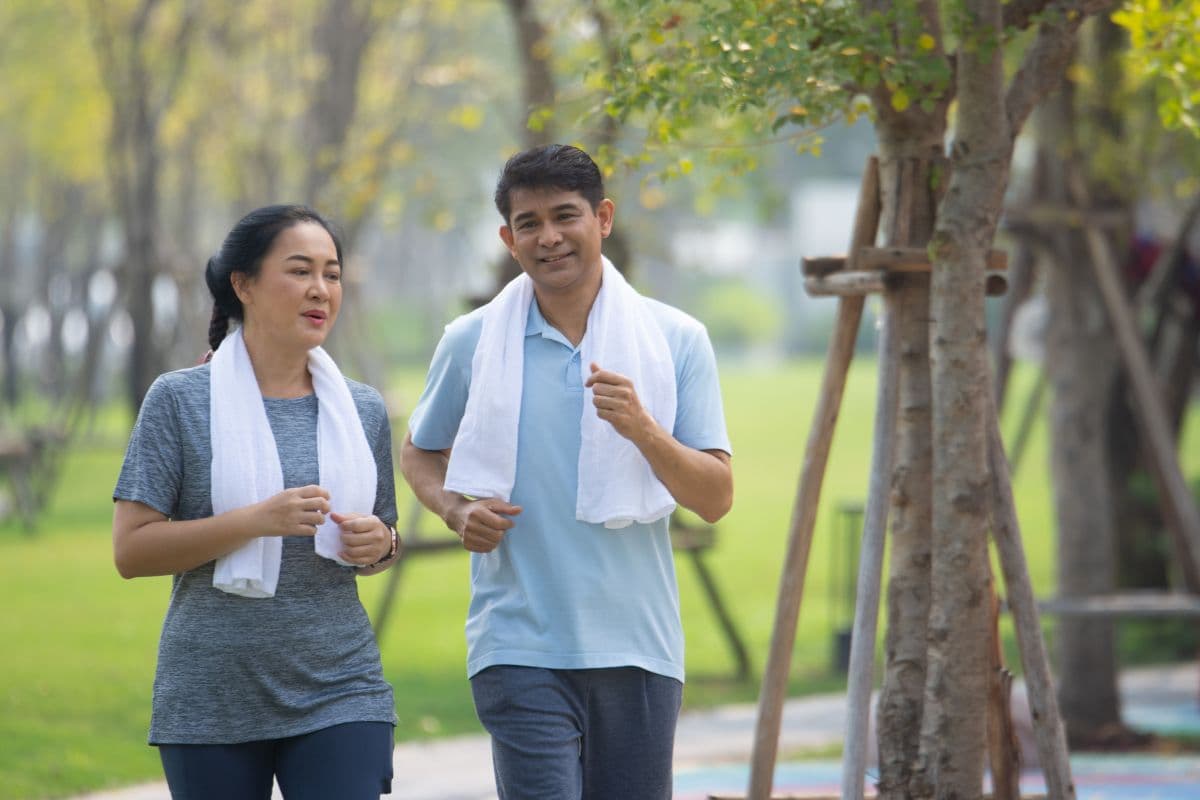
(293, 512)
(146, 542)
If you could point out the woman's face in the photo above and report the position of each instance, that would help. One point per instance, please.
(293, 301)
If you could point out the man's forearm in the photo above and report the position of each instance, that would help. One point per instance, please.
(425, 471)
(699, 480)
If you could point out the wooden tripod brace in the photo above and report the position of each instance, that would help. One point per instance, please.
(862, 271)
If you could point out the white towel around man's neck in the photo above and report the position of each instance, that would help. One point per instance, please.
(246, 468)
(617, 487)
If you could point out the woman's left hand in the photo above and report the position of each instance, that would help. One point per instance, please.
(365, 539)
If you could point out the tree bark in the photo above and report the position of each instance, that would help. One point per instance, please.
(953, 733)
(1081, 348)
(341, 38)
(909, 202)
(537, 74)
(140, 75)
(10, 306)
(912, 169)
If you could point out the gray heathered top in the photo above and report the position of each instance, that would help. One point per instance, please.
(236, 669)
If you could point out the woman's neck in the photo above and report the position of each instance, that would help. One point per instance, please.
(281, 375)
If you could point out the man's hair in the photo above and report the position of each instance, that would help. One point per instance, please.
(551, 166)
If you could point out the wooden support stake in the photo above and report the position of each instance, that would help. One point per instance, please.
(1180, 509)
(888, 259)
(741, 657)
(1004, 754)
(1059, 217)
(379, 623)
(870, 564)
(1137, 603)
(845, 284)
(1043, 704)
(804, 509)
(916, 259)
(859, 282)
(804, 513)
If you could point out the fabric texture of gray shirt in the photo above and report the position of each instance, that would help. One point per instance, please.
(235, 669)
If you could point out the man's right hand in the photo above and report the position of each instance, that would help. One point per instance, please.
(481, 524)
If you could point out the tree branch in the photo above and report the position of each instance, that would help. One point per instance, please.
(1046, 59)
(1019, 14)
(179, 50)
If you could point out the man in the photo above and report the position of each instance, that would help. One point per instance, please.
(559, 426)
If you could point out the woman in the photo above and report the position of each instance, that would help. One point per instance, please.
(262, 481)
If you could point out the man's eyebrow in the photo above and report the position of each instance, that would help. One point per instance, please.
(568, 206)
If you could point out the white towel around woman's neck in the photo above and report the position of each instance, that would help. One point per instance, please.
(617, 487)
(246, 468)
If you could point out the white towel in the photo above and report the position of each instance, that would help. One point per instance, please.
(246, 468)
(617, 487)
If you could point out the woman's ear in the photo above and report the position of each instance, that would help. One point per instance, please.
(239, 281)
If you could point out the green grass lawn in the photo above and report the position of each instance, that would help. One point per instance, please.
(79, 642)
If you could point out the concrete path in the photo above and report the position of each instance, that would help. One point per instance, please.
(460, 768)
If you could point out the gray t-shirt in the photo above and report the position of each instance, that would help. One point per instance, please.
(236, 669)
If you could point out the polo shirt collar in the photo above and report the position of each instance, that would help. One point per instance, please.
(536, 325)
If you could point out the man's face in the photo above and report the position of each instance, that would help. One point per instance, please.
(555, 236)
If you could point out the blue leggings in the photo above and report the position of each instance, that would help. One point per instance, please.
(350, 762)
(584, 734)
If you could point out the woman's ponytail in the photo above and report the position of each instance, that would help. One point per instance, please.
(218, 327)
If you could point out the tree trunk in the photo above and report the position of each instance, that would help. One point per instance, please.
(953, 733)
(537, 75)
(60, 216)
(1080, 345)
(341, 39)
(141, 250)
(909, 202)
(537, 92)
(1081, 348)
(9, 307)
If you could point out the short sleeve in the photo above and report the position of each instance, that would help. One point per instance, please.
(152, 472)
(699, 413)
(434, 422)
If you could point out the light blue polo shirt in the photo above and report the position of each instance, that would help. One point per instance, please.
(558, 593)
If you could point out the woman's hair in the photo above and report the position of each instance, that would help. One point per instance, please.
(243, 251)
(557, 166)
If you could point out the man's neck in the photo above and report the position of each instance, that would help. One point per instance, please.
(568, 312)
(569, 319)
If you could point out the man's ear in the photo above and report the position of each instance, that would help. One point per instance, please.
(605, 211)
(506, 236)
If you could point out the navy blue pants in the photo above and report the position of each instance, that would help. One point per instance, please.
(350, 762)
(582, 734)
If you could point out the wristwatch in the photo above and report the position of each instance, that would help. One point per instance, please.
(391, 553)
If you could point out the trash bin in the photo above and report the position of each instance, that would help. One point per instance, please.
(843, 578)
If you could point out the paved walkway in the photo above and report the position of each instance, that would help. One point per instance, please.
(459, 768)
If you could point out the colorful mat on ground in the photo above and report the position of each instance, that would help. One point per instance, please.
(1107, 777)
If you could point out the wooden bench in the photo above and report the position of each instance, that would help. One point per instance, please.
(687, 538)
(1138, 603)
(28, 470)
